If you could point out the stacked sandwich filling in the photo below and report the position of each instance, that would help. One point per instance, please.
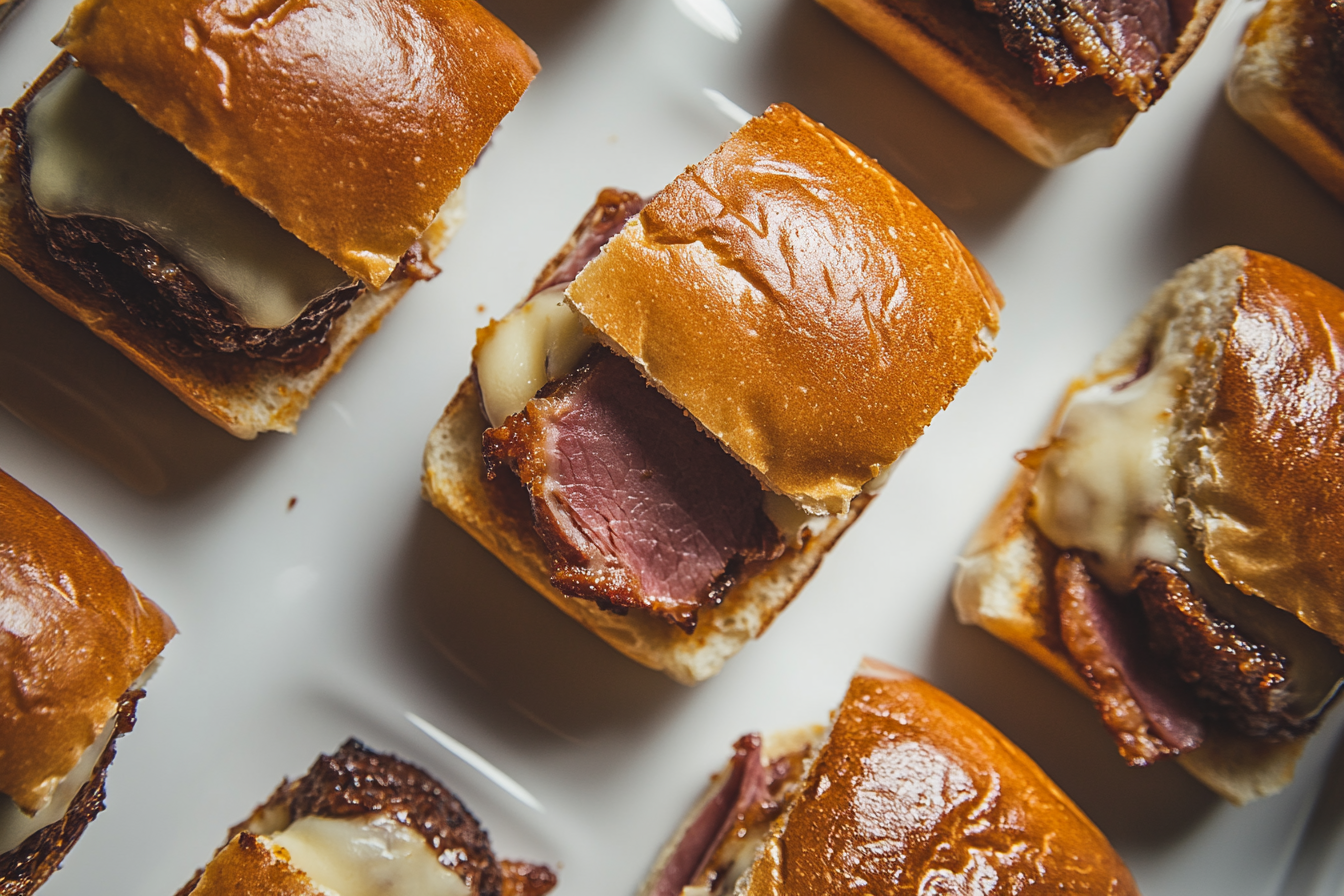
(1121, 41)
(361, 823)
(152, 228)
(1169, 649)
(717, 844)
(637, 506)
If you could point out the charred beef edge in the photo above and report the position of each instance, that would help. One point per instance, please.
(128, 267)
(27, 866)
(356, 781)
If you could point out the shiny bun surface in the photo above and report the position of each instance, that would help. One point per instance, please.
(348, 121)
(74, 635)
(1268, 493)
(799, 302)
(914, 793)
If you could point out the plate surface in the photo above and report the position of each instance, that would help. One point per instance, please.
(336, 616)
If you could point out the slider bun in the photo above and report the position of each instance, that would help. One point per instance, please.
(348, 121)
(496, 513)
(799, 302)
(1279, 68)
(958, 53)
(1265, 517)
(74, 636)
(912, 788)
(243, 395)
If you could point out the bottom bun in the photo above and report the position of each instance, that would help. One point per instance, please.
(245, 396)
(1280, 86)
(1004, 587)
(496, 513)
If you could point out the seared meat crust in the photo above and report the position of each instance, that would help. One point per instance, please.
(1242, 682)
(1150, 714)
(27, 866)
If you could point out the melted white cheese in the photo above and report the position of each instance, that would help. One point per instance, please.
(371, 855)
(539, 342)
(16, 826)
(1105, 484)
(92, 154)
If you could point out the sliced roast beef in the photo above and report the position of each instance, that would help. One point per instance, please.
(603, 221)
(1243, 682)
(1121, 41)
(749, 798)
(1149, 711)
(637, 506)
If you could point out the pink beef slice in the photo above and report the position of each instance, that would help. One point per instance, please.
(638, 508)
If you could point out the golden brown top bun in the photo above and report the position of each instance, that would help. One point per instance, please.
(914, 793)
(348, 121)
(1267, 493)
(74, 635)
(799, 302)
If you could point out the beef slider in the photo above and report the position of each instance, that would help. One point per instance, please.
(1193, 479)
(638, 507)
(379, 792)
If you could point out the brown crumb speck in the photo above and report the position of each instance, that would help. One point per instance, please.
(292, 502)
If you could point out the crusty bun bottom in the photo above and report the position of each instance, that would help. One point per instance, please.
(950, 48)
(496, 513)
(1270, 78)
(243, 395)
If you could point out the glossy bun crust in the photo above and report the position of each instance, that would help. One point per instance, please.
(799, 302)
(914, 793)
(1268, 496)
(348, 121)
(1286, 84)
(74, 636)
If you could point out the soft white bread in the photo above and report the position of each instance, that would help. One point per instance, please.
(1284, 84)
(799, 303)
(496, 514)
(348, 122)
(910, 787)
(1260, 333)
(959, 54)
(245, 396)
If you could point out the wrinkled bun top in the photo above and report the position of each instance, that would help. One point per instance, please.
(349, 121)
(799, 302)
(1268, 491)
(914, 793)
(74, 635)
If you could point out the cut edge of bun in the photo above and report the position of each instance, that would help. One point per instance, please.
(1261, 89)
(1003, 583)
(1050, 126)
(242, 395)
(454, 482)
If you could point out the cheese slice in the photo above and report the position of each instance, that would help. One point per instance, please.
(371, 855)
(92, 154)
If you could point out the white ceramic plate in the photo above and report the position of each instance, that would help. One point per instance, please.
(303, 626)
